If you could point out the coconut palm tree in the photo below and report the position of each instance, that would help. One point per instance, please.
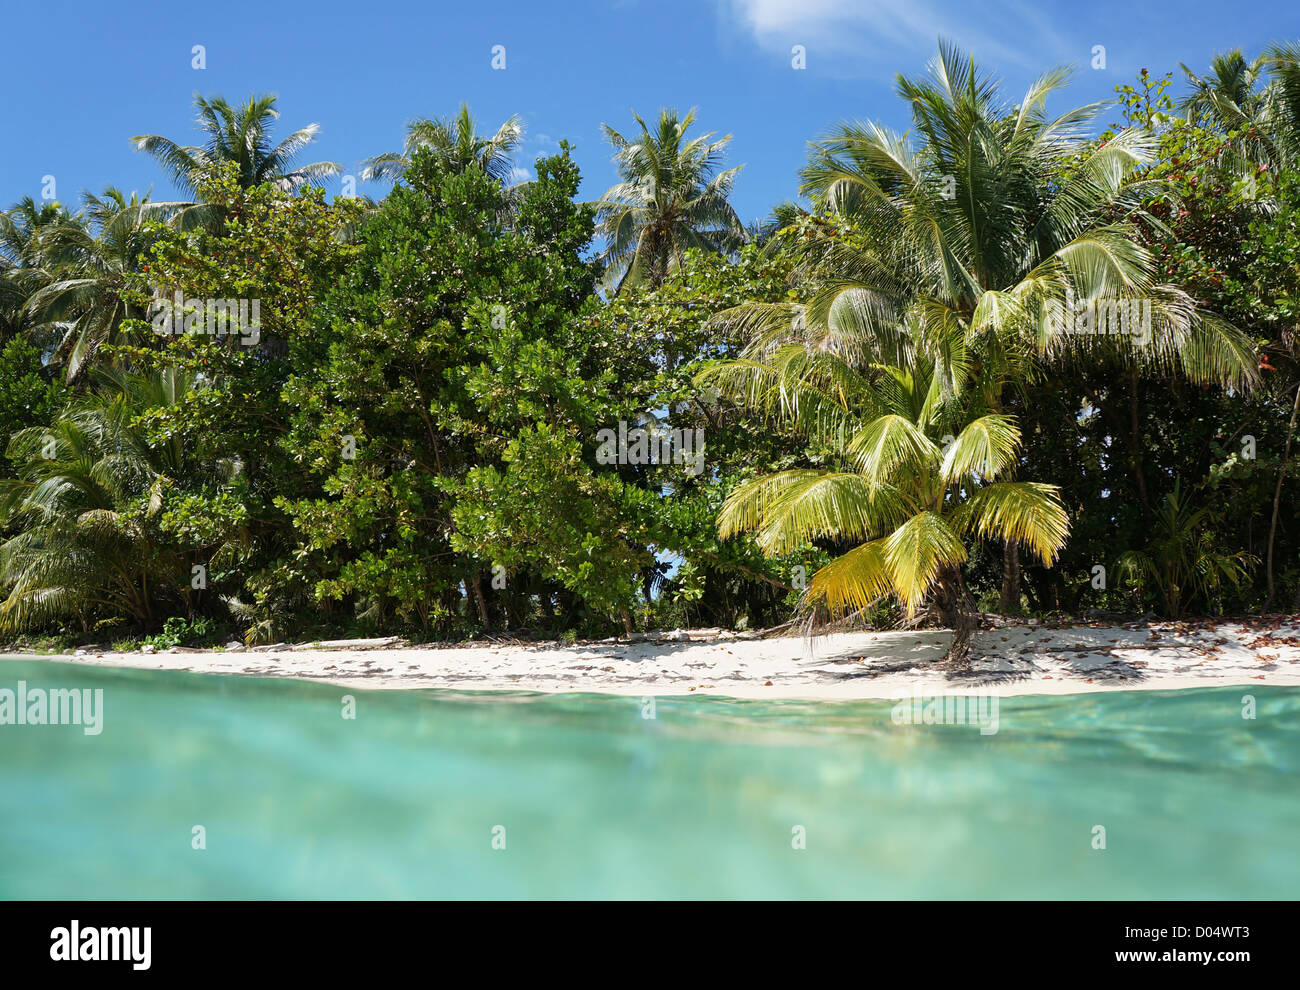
(456, 141)
(1258, 101)
(988, 245)
(85, 262)
(78, 550)
(21, 269)
(1229, 89)
(999, 219)
(86, 504)
(916, 472)
(670, 197)
(238, 136)
(1282, 111)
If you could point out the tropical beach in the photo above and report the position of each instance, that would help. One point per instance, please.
(748, 450)
(1010, 660)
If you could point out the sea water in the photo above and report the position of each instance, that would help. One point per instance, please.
(213, 786)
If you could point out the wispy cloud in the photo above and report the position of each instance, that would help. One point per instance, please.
(852, 35)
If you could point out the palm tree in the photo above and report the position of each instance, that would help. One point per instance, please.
(671, 197)
(86, 504)
(86, 262)
(240, 136)
(1282, 112)
(21, 269)
(917, 472)
(1258, 101)
(456, 142)
(1000, 218)
(1183, 559)
(1230, 89)
(79, 550)
(975, 244)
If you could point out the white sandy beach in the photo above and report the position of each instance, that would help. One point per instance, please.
(1014, 660)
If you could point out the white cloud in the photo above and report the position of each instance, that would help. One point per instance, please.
(838, 30)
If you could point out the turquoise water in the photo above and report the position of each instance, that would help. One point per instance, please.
(596, 801)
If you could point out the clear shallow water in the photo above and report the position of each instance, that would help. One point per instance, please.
(597, 801)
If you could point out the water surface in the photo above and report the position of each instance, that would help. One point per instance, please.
(703, 800)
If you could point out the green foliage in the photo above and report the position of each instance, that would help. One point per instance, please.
(27, 397)
(412, 440)
(179, 631)
(1183, 560)
(451, 362)
(84, 510)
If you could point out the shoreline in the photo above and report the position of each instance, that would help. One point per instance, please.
(1008, 660)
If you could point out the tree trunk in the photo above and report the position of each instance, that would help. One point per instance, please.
(627, 622)
(476, 590)
(1010, 600)
(955, 611)
(1277, 498)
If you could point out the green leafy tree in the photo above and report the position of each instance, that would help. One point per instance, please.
(662, 334)
(27, 396)
(285, 250)
(453, 334)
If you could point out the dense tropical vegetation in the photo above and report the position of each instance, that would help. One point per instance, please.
(1008, 361)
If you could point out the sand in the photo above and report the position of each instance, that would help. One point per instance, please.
(1012, 660)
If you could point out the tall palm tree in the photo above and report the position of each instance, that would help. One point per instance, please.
(998, 219)
(240, 135)
(1258, 100)
(1282, 112)
(457, 142)
(972, 247)
(20, 227)
(671, 197)
(1230, 85)
(87, 260)
(21, 269)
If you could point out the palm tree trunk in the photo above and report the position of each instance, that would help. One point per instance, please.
(1277, 497)
(955, 610)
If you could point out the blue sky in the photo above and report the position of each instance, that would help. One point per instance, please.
(83, 77)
